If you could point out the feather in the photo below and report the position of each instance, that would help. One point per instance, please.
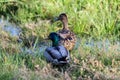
(69, 38)
(56, 54)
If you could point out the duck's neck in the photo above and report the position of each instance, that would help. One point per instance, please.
(56, 42)
(65, 25)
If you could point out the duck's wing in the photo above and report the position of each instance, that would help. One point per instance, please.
(64, 53)
(48, 57)
(62, 50)
(68, 39)
(67, 35)
(57, 54)
(51, 53)
(64, 33)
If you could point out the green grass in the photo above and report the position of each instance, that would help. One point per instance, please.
(89, 19)
(85, 62)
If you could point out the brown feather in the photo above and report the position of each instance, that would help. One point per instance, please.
(69, 38)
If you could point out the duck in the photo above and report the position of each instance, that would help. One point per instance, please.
(69, 37)
(56, 54)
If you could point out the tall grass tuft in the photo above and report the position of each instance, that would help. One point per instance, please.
(91, 18)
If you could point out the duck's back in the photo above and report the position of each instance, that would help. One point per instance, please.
(69, 38)
(60, 53)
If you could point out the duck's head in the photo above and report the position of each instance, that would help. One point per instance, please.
(55, 38)
(62, 17)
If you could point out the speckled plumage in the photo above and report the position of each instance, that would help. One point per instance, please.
(69, 38)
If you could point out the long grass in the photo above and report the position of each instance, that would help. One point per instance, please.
(98, 19)
(94, 18)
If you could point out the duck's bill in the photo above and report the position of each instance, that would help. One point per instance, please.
(56, 19)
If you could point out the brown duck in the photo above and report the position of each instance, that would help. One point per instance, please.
(69, 38)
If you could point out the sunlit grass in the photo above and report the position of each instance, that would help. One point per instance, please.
(94, 18)
(85, 62)
(89, 19)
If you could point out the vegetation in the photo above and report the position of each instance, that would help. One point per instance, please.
(89, 19)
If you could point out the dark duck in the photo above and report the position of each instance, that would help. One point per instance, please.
(69, 38)
(56, 54)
